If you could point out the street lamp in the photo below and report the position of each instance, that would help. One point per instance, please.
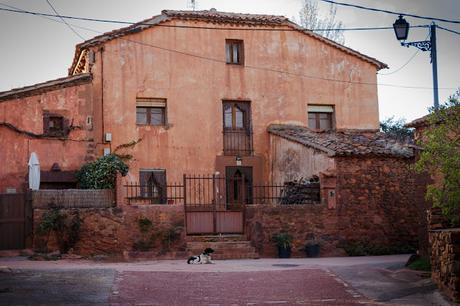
(401, 27)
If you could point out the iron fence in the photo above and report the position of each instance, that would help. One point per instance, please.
(149, 194)
(204, 192)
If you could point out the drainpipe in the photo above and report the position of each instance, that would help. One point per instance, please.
(102, 93)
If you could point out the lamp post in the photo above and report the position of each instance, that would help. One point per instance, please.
(401, 27)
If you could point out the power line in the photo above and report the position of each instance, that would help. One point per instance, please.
(365, 28)
(72, 29)
(406, 63)
(391, 12)
(448, 30)
(254, 67)
(63, 17)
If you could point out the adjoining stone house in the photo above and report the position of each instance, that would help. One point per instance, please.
(200, 89)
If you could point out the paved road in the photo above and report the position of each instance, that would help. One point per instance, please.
(324, 281)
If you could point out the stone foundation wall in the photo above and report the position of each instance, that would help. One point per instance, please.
(116, 230)
(445, 261)
(375, 202)
(380, 200)
(303, 222)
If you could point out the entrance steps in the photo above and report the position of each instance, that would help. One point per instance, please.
(224, 246)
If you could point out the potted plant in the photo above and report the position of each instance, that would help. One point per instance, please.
(283, 242)
(312, 247)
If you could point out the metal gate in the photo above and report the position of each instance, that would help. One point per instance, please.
(15, 221)
(214, 205)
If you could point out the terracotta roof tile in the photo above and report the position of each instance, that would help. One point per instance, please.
(224, 17)
(344, 143)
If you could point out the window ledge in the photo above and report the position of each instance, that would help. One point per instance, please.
(166, 126)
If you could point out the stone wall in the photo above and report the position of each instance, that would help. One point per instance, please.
(303, 222)
(445, 261)
(115, 230)
(376, 202)
(379, 199)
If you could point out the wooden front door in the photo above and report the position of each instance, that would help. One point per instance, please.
(239, 185)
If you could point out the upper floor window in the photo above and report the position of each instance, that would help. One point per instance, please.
(54, 125)
(150, 111)
(320, 117)
(236, 115)
(234, 51)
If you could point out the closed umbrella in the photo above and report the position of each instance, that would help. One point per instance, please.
(34, 172)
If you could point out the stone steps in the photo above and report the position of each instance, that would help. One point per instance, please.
(223, 249)
(216, 238)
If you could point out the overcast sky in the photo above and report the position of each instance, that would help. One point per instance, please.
(35, 49)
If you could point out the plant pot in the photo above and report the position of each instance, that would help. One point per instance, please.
(312, 250)
(284, 252)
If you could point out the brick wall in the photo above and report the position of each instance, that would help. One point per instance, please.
(445, 261)
(115, 230)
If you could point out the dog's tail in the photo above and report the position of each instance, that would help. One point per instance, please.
(191, 259)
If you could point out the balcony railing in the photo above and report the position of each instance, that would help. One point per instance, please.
(237, 142)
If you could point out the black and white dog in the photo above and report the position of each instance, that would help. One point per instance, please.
(203, 258)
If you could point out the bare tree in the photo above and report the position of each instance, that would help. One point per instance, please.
(312, 20)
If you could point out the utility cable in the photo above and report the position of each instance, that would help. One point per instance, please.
(391, 12)
(21, 11)
(448, 30)
(406, 63)
(68, 25)
(256, 67)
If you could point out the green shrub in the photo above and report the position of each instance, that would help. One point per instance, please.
(421, 264)
(66, 228)
(282, 240)
(101, 174)
(144, 224)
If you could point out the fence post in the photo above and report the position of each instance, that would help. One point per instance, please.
(214, 208)
(243, 190)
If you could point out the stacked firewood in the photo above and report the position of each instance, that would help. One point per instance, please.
(302, 191)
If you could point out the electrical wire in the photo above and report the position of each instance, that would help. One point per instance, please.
(72, 29)
(63, 17)
(448, 30)
(390, 12)
(250, 66)
(406, 63)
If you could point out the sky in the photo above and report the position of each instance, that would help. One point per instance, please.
(35, 49)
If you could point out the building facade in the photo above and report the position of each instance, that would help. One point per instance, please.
(199, 89)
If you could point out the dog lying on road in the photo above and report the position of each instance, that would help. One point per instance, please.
(203, 258)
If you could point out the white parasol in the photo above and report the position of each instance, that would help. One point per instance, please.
(34, 172)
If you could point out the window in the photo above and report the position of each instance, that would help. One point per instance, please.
(320, 117)
(237, 128)
(153, 185)
(54, 125)
(234, 51)
(236, 115)
(150, 111)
